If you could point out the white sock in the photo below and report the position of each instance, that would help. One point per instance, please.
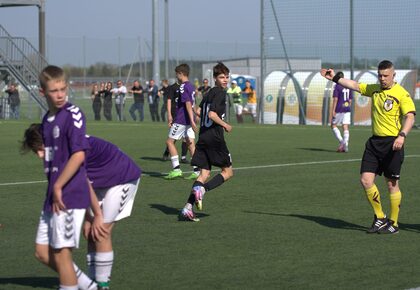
(188, 206)
(337, 134)
(63, 287)
(83, 281)
(346, 135)
(104, 261)
(90, 261)
(175, 161)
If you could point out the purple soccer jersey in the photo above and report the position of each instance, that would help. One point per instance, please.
(343, 96)
(187, 94)
(107, 165)
(64, 134)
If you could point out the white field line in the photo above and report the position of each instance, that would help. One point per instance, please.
(235, 168)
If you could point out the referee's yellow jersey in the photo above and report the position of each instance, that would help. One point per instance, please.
(388, 107)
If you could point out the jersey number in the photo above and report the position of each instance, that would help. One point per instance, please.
(205, 120)
(346, 95)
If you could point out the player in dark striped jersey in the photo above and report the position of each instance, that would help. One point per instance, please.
(211, 149)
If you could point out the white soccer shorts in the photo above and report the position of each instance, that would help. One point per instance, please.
(60, 230)
(178, 131)
(342, 118)
(251, 108)
(238, 108)
(117, 201)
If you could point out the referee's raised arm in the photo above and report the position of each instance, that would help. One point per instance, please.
(329, 74)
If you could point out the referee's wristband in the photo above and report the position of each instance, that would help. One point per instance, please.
(336, 78)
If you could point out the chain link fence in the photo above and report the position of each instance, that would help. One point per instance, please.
(298, 37)
(352, 36)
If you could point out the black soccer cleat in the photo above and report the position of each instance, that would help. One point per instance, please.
(184, 160)
(389, 229)
(377, 225)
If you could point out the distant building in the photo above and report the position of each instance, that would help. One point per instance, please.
(252, 66)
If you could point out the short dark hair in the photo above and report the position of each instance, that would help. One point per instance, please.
(385, 64)
(340, 74)
(32, 139)
(183, 68)
(219, 69)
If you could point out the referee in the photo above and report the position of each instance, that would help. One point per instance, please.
(393, 114)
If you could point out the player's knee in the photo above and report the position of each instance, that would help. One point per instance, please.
(227, 173)
(392, 185)
(42, 257)
(366, 182)
(189, 142)
(204, 176)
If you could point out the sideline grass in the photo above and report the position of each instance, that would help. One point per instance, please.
(285, 227)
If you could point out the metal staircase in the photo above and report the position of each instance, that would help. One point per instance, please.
(23, 62)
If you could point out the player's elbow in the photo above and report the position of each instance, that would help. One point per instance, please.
(212, 115)
(411, 116)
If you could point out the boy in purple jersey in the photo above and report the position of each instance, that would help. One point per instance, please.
(114, 179)
(63, 133)
(184, 124)
(341, 114)
(211, 149)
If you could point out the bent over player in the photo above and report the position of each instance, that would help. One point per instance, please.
(393, 114)
(211, 149)
(114, 178)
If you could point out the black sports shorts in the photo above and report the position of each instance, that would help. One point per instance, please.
(379, 157)
(205, 157)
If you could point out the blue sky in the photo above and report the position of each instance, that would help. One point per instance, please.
(102, 22)
(189, 19)
(311, 28)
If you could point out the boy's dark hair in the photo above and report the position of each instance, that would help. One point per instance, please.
(51, 72)
(32, 139)
(219, 69)
(385, 64)
(183, 68)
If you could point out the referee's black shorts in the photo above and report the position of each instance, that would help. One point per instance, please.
(379, 157)
(205, 157)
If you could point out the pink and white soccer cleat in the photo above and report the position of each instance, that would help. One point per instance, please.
(199, 194)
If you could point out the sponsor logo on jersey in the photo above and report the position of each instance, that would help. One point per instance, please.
(56, 132)
(49, 154)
